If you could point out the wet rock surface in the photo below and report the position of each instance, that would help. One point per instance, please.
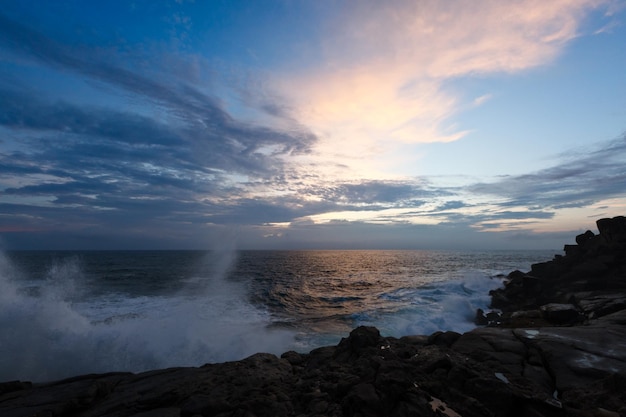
(556, 347)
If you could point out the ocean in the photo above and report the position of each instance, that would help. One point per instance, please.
(69, 313)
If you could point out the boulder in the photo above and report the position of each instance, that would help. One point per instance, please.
(443, 338)
(613, 229)
(560, 313)
(583, 238)
(572, 250)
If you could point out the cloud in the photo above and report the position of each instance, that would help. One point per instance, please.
(364, 235)
(375, 193)
(382, 73)
(479, 101)
(203, 114)
(163, 162)
(165, 149)
(579, 180)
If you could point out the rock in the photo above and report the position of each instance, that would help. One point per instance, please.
(596, 304)
(525, 318)
(560, 313)
(527, 314)
(160, 412)
(480, 319)
(532, 285)
(577, 356)
(10, 386)
(572, 250)
(360, 338)
(591, 270)
(489, 371)
(596, 263)
(294, 358)
(612, 230)
(499, 299)
(362, 400)
(443, 338)
(583, 238)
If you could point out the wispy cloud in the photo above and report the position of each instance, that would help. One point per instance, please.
(168, 147)
(579, 180)
(582, 178)
(102, 165)
(382, 74)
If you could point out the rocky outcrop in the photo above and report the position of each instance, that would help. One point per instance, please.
(587, 283)
(566, 357)
(491, 371)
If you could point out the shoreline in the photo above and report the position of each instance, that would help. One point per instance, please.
(554, 345)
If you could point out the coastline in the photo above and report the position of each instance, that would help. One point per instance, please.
(554, 345)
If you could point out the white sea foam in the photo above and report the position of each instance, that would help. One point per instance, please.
(53, 334)
(133, 312)
(441, 306)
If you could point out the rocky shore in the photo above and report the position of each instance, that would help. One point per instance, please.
(554, 345)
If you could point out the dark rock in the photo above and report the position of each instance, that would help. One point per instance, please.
(486, 372)
(583, 238)
(443, 338)
(362, 400)
(515, 275)
(480, 319)
(560, 313)
(532, 285)
(572, 250)
(499, 298)
(294, 358)
(160, 412)
(588, 269)
(416, 340)
(596, 263)
(360, 338)
(525, 318)
(492, 318)
(11, 386)
(612, 230)
(596, 304)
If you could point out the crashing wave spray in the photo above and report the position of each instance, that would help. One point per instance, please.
(51, 330)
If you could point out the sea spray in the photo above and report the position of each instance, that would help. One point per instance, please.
(440, 306)
(50, 333)
(36, 325)
(70, 313)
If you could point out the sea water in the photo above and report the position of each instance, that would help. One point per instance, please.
(70, 313)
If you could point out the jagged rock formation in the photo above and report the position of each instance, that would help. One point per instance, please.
(567, 357)
(587, 283)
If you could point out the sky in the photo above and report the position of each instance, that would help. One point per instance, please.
(293, 124)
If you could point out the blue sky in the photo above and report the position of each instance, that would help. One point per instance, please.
(306, 124)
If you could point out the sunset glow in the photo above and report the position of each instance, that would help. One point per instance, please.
(178, 124)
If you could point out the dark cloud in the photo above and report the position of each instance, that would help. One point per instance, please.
(79, 164)
(200, 110)
(451, 205)
(579, 181)
(22, 111)
(361, 235)
(368, 194)
(205, 118)
(518, 215)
